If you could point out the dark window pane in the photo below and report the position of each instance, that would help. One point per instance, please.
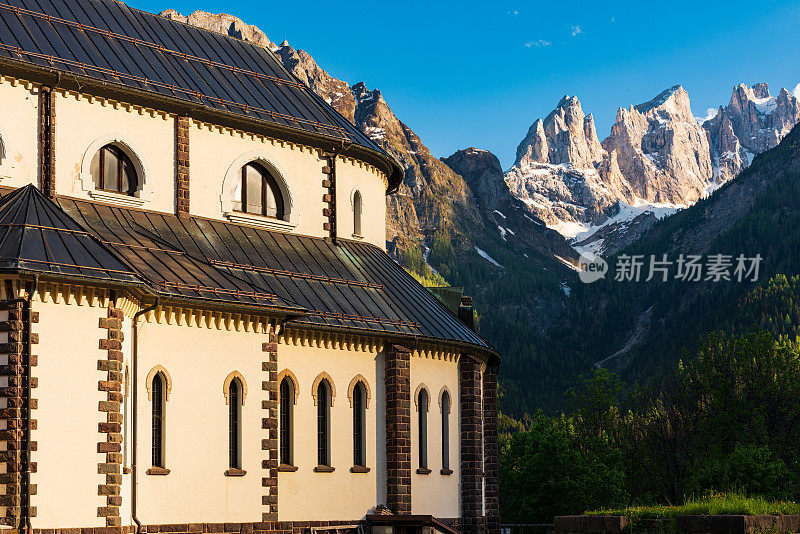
(357, 213)
(110, 169)
(445, 430)
(234, 404)
(358, 425)
(322, 424)
(158, 421)
(423, 429)
(253, 182)
(285, 416)
(129, 183)
(258, 192)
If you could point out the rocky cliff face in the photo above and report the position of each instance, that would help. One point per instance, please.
(752, 122)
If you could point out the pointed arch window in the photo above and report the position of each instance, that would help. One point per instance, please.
(359, 426)
(445, 431)
(112, 170)
(357, 208)
(235, 424)
(286, 423)
(422, 404)
(258, 193)
(323, 424)
(158, 419)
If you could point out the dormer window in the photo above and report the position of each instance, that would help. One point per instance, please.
(112, 171)
(258, 193)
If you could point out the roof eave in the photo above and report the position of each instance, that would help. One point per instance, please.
(57, 78)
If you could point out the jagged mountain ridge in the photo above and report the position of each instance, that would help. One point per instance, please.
(657, 159)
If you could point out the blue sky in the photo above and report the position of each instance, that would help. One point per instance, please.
(474, 73)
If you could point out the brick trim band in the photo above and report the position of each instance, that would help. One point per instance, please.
(397, 380)
(182, 166)
(110, 442)
(47, 138)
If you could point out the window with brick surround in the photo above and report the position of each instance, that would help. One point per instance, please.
(158, 420)
(234, 424)
(258, 193)
(422, 406)
(286, 423)
(112, 170)
(445, 430)
(359, 426)
(323, 423)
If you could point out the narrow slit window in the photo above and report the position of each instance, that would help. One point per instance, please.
(359, 421)
(423, 429)
(112, 170)
(323, 424)
(234, 424)
(445, 431)
(158, 420)
(287, 394)
(357, 204)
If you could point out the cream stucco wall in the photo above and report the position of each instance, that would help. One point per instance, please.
(351, 175)
(18, 130)
(68, 416)
(198, 359)
(84, 125)
(304, 495)
(435, 493)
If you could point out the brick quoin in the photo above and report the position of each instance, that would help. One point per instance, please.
(469, 387)
(110, 440)
(270, 422)
(397, 379)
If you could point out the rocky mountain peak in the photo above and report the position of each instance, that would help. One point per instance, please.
(761, 90)
(224, 24)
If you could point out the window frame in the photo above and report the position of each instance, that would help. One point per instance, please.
(359, 425)
(358, 206)
(446, 407)
(235, 392)
(122, 158)
(323, 424)
(423, 400)
(286, 422)
(268, 182)
(158, 421)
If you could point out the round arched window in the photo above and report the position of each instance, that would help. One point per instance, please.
(258, 193)
(113, 171)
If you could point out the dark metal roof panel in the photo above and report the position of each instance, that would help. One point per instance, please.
(110, 41)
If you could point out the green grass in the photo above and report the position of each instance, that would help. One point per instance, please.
(712, 504)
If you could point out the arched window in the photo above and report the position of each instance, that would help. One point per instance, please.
(2, 150)
(422, 404)
(258, 193)
(158, 419)
(445, 431)
(357, 213)
(359, 426)
(323, 424)
(234, 424)
(113, 171)
(287, 396)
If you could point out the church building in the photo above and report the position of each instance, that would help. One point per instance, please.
(200, 328)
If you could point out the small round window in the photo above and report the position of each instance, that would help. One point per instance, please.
(113, 171)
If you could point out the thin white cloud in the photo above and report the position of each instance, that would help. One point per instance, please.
(538, 44)
(512, 12)
(613, 19)
(576, 30)
(710, 114)
(796, 91)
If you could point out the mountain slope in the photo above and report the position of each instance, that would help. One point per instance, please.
(638, 328)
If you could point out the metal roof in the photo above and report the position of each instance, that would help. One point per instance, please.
(352, 285)
(110, 42)
(36, 235)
